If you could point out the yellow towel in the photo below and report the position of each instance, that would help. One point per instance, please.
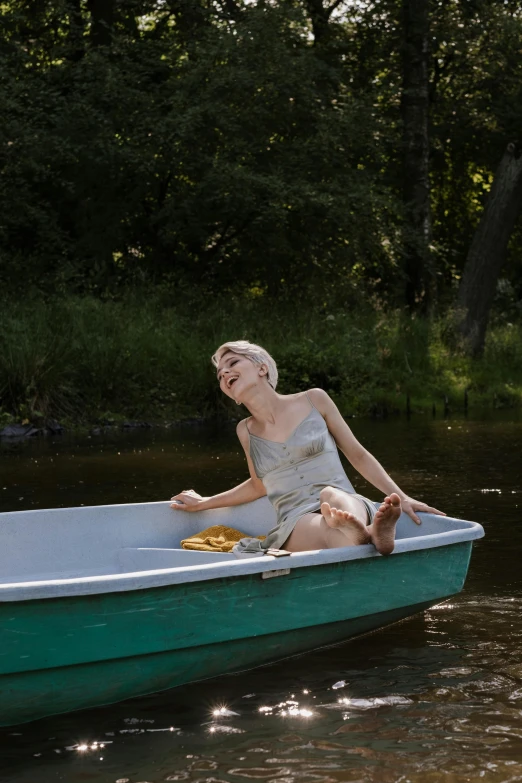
(217, 538)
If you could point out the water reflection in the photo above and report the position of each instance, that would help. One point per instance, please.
(435, 698)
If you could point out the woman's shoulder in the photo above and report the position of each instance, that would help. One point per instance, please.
(242, 430)
(313, 395)
(319, 398)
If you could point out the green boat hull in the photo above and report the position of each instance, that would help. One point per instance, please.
(64, 654)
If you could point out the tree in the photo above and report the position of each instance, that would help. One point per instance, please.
(232, 143)
(475, 107)
(230, 167)
(487, 253)
(415, 143)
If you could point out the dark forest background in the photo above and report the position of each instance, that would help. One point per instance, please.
(341, 181)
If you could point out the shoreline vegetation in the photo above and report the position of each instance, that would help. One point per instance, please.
(341, 183)
(85, 362)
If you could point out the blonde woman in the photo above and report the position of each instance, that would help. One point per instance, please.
(291, 444)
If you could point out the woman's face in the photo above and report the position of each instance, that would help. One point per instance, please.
(236, 373)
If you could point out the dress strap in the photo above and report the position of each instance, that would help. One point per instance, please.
(249, 436)
(309, 400)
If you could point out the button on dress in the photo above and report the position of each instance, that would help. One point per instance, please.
(294, 491)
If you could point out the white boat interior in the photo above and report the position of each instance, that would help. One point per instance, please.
(92, 549)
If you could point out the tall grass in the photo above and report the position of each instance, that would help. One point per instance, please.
(86, 360)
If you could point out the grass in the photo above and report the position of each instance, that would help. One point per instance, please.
(84, 360)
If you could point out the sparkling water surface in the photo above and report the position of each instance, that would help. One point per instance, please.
(437, 697)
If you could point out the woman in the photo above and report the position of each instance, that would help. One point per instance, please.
(291, 445)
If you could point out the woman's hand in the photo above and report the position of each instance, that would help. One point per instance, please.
(188, 500)
(410, 506)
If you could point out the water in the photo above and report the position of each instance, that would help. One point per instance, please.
(435, 698)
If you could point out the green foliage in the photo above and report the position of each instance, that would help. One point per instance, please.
(84, 360)
(34, 367)
(218, 145)
(476, 86)
(173, 174)
(220, 159)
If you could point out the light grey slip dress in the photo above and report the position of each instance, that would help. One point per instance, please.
(294, 473)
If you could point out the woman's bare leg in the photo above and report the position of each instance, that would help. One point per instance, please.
(312, 532)
(343, 522)
(346, 513)
(382, 529)
(339, 524)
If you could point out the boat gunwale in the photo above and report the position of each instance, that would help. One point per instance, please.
(152, 578)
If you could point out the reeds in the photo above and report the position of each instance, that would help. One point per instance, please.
(84, 359)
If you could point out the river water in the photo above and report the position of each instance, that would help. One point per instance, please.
(434, 698)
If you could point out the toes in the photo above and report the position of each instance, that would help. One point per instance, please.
(327, 512)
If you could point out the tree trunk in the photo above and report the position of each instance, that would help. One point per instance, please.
(415, 143)
(324, 32)
(102, 19)
(319, 14)
(75, 33)
(192, 16)
(488, 249)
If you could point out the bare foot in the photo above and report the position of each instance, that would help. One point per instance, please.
(382, 529)
(355, 530)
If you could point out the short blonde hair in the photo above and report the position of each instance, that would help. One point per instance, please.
(255, 353)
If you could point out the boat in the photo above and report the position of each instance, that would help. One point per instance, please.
(100, 604)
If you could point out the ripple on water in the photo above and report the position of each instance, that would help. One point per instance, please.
(437, 699)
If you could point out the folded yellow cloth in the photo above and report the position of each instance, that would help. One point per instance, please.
(217, 538)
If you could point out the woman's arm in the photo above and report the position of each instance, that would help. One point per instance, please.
(361, 459)
(251, 489)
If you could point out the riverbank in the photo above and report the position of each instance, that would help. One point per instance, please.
(88, 362)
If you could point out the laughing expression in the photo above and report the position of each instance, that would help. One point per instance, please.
(236, 373)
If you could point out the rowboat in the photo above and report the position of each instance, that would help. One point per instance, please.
(100, 604)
